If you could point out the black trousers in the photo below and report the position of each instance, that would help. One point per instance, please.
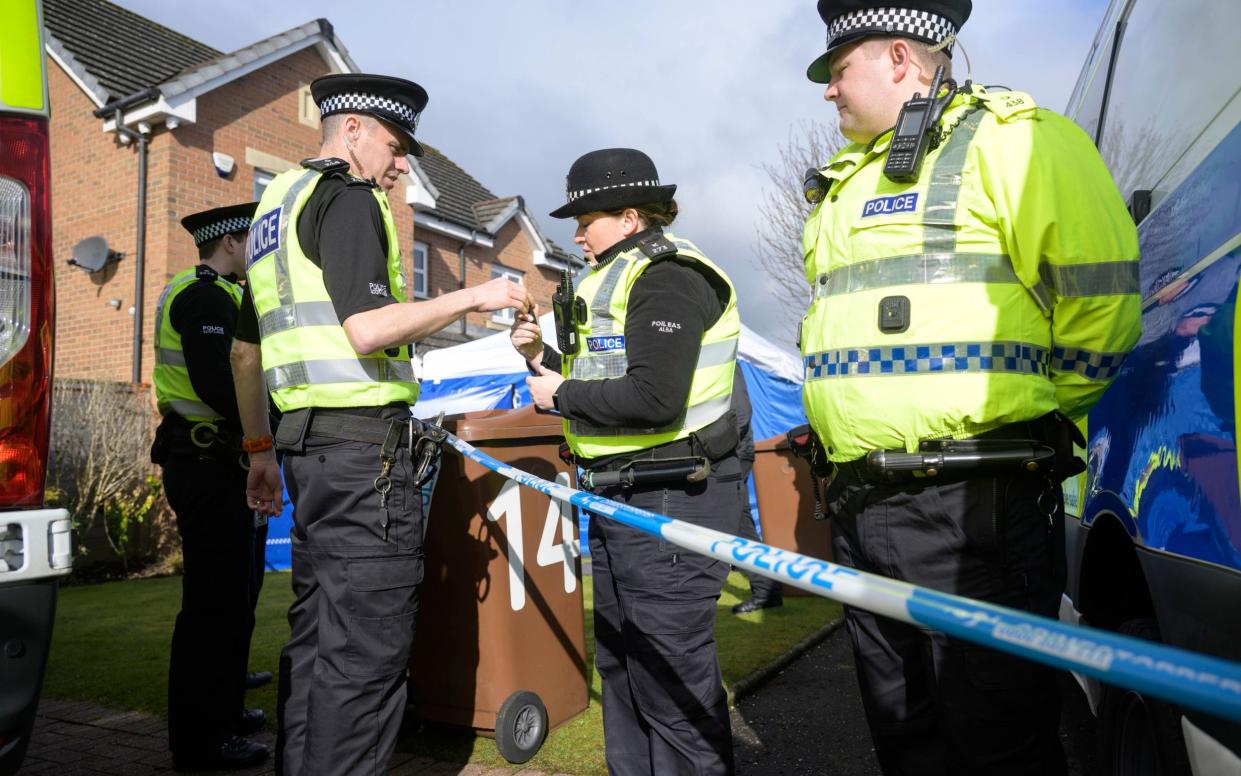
(936, 704)
(665, 712)
(342, 674)
(211, 639)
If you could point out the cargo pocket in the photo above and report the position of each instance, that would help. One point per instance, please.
(383, 597)
(672, 663)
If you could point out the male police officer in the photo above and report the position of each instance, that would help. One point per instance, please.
(198, 444)
(974, 298)
(648, 400)
(324, 269)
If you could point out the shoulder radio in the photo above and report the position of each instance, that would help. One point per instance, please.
(916, 131)
(569, 311)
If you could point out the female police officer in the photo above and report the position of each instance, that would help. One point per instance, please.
(646, 400)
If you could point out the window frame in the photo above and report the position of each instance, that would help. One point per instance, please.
(506, 316)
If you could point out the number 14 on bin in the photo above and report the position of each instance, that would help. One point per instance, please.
(559, 515)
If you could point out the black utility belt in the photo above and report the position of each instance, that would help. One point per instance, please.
(1042, 446)
(206, 438)
(297, 426)
(359, 428)
(954, 460)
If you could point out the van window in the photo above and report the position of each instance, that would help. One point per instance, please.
(1087, 107)
(1168, 82)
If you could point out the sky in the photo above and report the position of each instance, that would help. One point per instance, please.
(710, 90)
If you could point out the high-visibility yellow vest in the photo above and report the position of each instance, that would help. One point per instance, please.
(307, 358)
(1000, 286)
(602, 355)
(173, 390)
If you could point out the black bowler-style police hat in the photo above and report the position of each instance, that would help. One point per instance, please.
(611, 179)
(395, 100)
(930, 21)
(215, 223)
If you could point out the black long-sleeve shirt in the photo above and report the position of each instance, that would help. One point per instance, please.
(205, 316)
(672, 303)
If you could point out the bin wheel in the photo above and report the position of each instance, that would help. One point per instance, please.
(521, 726)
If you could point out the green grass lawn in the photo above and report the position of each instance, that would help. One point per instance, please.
(110, 647)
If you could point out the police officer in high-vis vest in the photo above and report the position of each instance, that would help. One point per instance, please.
(974, 289)
(644, 381)
(199, 446)
(331, 313)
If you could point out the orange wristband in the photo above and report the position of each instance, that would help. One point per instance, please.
(256, 444)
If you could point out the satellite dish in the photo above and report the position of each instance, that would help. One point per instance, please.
(93, 254)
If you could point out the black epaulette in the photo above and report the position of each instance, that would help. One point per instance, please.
(657, 246)
(326, 165)
(203, 272)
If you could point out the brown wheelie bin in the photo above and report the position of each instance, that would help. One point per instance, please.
(786, 503)
(500, 645)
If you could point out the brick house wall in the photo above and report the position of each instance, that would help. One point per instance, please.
(255, 120)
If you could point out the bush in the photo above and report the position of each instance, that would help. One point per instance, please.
(99, 470)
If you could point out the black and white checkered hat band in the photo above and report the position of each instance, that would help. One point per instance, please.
(219, 229)
(572, 195)
(892, 21)
(356, 103)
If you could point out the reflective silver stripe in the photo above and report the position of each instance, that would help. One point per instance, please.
(187, 408)
(717, 353)
(601, 320)
(169, 357)
(600, 367)
(159, 314)
(299, 314)
(284, 284)
(616, 364)
(339, 370)
(940, 211)
(917, 269)
(1105, 278)
(695, 417)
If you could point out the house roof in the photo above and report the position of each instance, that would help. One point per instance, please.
(114, 53)
(458, 190)
(124, 52)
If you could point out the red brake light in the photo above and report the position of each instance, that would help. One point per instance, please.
(26, 309)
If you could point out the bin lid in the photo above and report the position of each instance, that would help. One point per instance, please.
(523, 423)
(777, 443)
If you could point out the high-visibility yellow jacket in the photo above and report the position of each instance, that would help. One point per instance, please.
(602, 355)
(1018, 263)
(307, 358)
(173, 390)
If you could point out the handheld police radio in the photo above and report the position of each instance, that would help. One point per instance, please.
(569, 311)
(915, 131)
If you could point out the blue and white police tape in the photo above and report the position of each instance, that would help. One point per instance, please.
(1182, 677)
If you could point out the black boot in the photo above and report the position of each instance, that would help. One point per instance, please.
(234, 754)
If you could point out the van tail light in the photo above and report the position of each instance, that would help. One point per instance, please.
(26, 309)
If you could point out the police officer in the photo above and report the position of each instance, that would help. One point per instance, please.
(198, 444)
(765, 592)
(981, 298)
(324, 270)
(647, 395)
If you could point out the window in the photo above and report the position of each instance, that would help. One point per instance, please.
(421, 273)
(1154, 114)
(307, 111)
(261, 179)
(505, 316)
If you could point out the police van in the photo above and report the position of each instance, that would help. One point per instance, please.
(35, 546)
(1154, 531)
